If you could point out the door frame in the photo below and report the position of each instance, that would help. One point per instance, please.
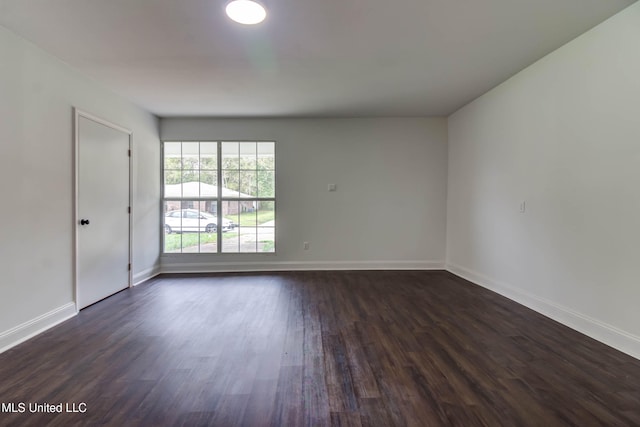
(77, 114)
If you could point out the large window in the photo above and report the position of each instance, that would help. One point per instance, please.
(219, 182)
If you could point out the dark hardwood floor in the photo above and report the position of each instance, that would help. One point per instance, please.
(314, 349)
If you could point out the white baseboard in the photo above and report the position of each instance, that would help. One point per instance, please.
(145, 275)
(228, 267)
(33, 327)
(594, 328)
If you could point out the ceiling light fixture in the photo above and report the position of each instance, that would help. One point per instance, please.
(247, 12)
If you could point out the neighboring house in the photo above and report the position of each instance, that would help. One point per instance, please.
(201, 189)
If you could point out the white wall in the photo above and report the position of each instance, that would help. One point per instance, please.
(564, 135)
(37, 93)
(389, 209)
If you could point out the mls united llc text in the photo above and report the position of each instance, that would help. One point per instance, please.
(46, 408)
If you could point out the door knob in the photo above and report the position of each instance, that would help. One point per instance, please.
(84, 222)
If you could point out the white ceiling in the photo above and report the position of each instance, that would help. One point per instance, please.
(309, 58)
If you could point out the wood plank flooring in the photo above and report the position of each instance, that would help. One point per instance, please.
(375, 348)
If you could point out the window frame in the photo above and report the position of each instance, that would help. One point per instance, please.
(218, 198)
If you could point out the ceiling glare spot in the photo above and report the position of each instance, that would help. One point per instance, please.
(246, 12)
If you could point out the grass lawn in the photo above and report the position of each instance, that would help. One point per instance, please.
(268, 245)
(248, 219)
(173, 242)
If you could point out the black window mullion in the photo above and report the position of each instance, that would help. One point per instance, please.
(219, 201)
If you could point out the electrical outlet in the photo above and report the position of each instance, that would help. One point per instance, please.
(332, 187)
(523, 206)
(305, 246)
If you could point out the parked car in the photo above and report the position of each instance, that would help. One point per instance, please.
(185, 220)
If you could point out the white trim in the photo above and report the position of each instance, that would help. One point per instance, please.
(131, 187)
(77, 113)
(145, 275)
(33, 327)
(86, 115)
(227, 267)
(594, 328)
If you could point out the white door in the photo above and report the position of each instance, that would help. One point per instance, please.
(103, 244)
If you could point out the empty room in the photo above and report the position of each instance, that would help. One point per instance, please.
(319, 213)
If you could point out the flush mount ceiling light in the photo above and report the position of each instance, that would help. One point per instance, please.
(247, 12)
